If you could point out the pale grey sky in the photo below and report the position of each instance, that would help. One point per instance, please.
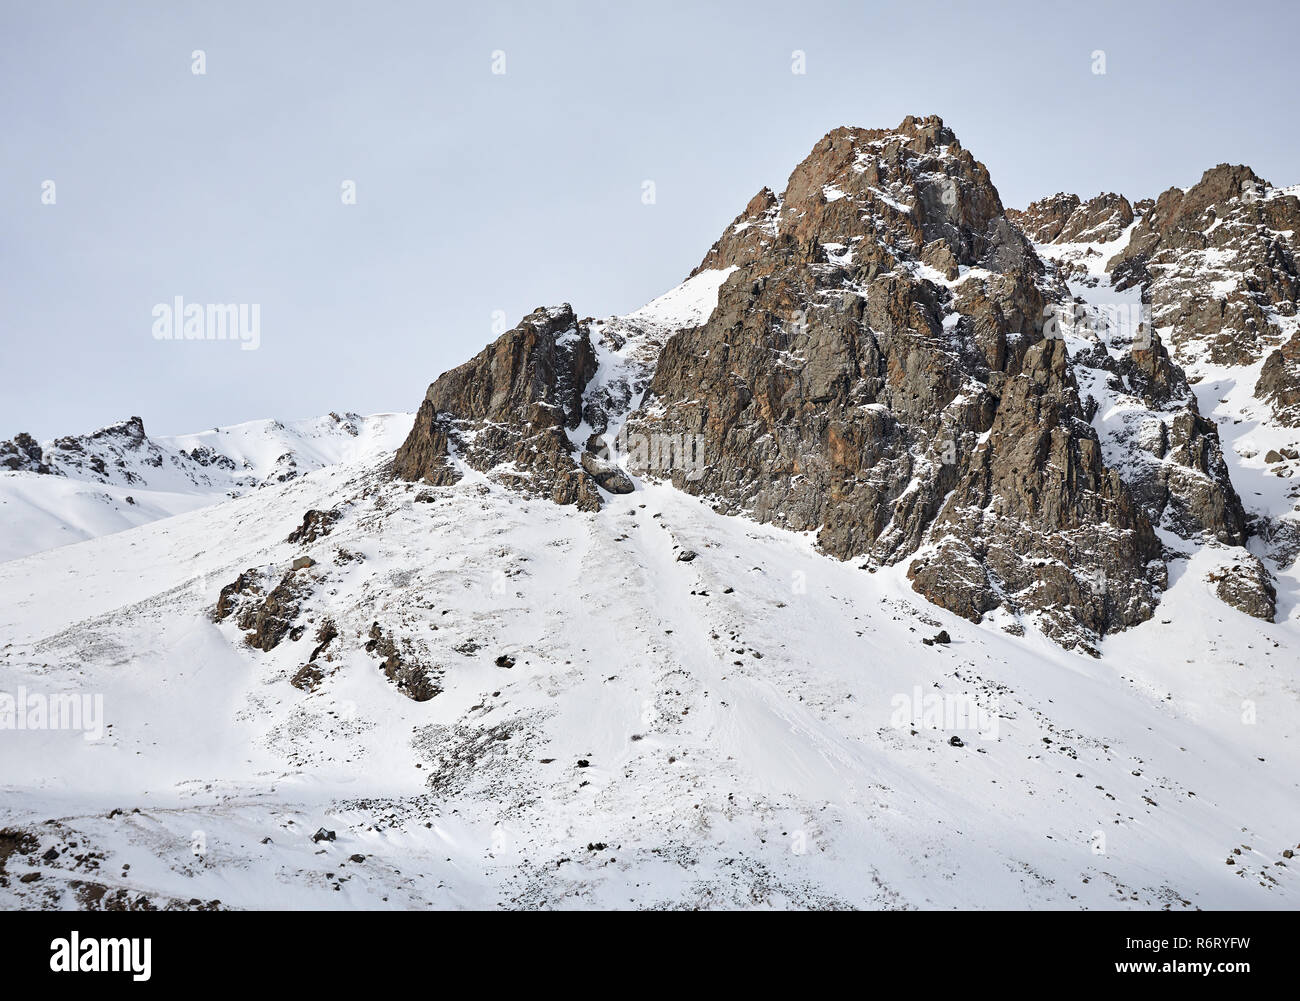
(479, 192)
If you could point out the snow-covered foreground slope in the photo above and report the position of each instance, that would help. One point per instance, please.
(119, 477)
(729, 730)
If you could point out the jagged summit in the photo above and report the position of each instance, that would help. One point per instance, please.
(892, 367)
(886, 194)
(874, 372)
(1202, 423)
(1066, 218)
(1218, 263)
(884, 356)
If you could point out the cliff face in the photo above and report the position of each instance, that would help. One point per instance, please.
(1218, 263)
(1200, 413)
(510, 408)
(877, 372)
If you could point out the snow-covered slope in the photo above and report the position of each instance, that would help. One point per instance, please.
(649, 705)
(723, 731)
(76, 488)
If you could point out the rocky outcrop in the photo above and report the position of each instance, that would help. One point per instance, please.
(1218, 263)
(890, 191)
(269, 621)
(412, 678)
(856, 381)
(23, 454)
(1279, 382)
(883, 369)
(1247, 586)
(1063, 218)
(266, 617)
(111, 454)
(749, 236)
(114, 452)
(1039, 524)
(1042, 221)
(1153, 434)
(232, 595)
(315, 526)
(1138, 397)
(509, 411)
(1191, 492)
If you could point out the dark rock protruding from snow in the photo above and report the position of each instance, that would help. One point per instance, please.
(1247, 586)
(1038, 523)
(1219, 262)
(510, 409)
(1279, 382)
(1063, 218)
(880, 347)
(23, 454)
(882, 369)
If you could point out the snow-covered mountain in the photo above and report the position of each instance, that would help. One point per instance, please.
(78, 487)
(912, 553)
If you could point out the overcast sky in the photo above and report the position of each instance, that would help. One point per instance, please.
(479, 191)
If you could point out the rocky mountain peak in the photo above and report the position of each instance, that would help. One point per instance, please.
(881, 195)
(1198, 407)
(122, 445)
(883, 368)
(1217, 262)
(70, 488)
(1065, 218)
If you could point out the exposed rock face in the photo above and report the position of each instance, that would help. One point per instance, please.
(855, 372)
(307, 678)
(1042, 221)
(1247, 587)
(1191, 491)
(269, 621)
(23, 454)
(1038, 523)
(315, 525)
(915, 183)
(1152, 433)
(509, 410)
(246, 584)
(749, 236)
(267, 617)
(1064, 218)
(401, 667)
(1215, 267)
(1279, 382)
(1218, 262)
